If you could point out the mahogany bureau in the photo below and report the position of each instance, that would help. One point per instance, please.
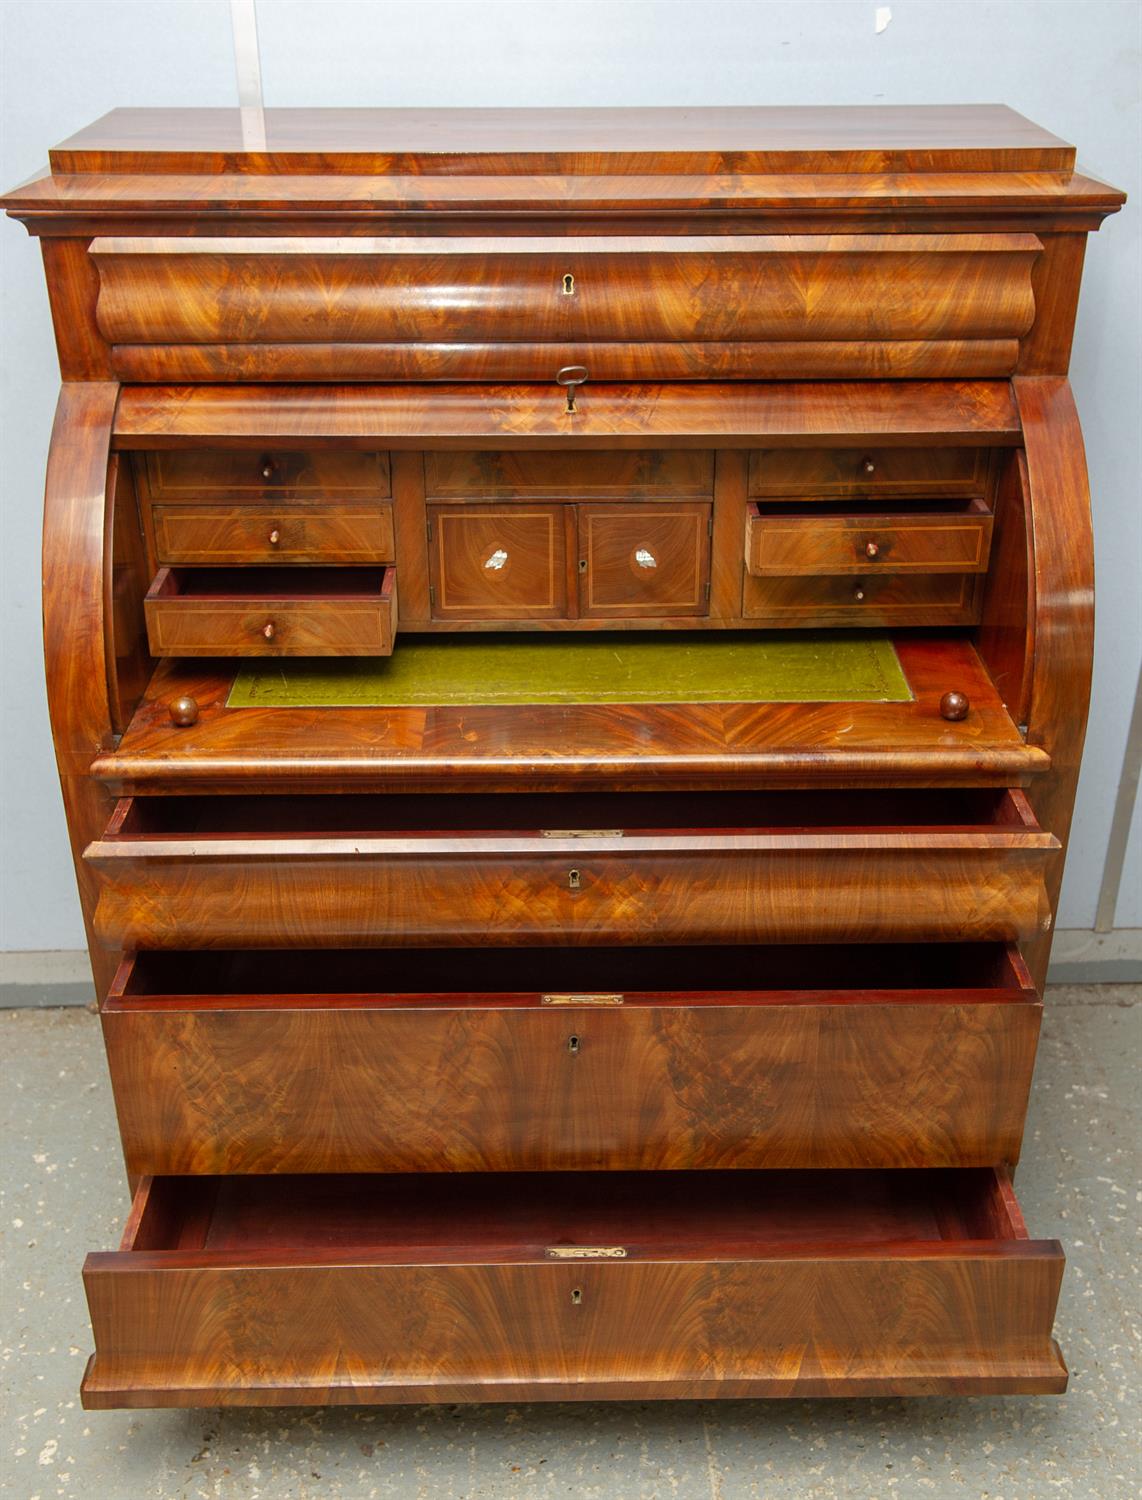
(505, 1048)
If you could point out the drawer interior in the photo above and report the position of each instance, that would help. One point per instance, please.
(268, 583)
(483, 1217)
(945, 810)
(740, 975)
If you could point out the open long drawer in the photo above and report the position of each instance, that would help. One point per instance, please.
(635, 1058)
(239, 872)
(281, 1290)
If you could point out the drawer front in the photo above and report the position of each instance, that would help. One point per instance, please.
(496, 562)
(639, 474)
(235, 534)
(202, 625)
(464, 1290)
(870, 600)
(202, 474)
(306, 893)
(644, 560)
(237, 1084)
(738, 288)
(806, 546)
(840, 473)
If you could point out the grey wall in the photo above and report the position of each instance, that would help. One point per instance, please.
(1073, 68)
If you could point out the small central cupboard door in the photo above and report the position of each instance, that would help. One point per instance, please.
(499, 562)
(644, 560)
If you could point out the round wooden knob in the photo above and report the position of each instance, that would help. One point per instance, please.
(267, 469)
(954, 706)
(858, 595)
(268, 630)
(275, 537)
(867, 466)
(183, 712)
(872, 549)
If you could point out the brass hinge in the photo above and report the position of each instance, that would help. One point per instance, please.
(707, 591)
(586, 1252)
(428, 527)
(588, 999)
(709, 525)
(432, 595)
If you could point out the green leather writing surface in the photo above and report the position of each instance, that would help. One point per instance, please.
(665, 667)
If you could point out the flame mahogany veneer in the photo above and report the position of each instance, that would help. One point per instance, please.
(578, 1052)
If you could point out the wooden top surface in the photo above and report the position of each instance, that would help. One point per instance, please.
(553, 747)
(829, 138)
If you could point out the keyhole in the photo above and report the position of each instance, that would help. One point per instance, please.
(576, 1295)
(568, 285)
(574, 879)
(573, 1045)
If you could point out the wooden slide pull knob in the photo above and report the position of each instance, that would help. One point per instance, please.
(183, 712)
(268, 630)
(868, 466)
(954, 706)
(267, 468)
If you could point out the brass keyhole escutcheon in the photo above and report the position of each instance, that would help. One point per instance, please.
(576, 1295)
(573, 1045)
(568, 285)
(574, 880)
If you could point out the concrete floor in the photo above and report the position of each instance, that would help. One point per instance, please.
(64, 1193)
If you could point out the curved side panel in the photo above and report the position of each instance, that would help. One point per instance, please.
(1063, 551)
(75, 517)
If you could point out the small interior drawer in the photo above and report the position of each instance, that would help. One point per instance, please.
(948, 537)
(271, 612)
(220, 535)
(644, 560)
(644, 868)
(832, 473)
(872, 600)
(636, 1058)
(190, 475)
(278, 1289)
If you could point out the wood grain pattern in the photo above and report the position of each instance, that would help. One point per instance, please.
(675, 415)
(75, 553)
(262, 612)
(874, 1297)
(648, 560)
(1007, 623)
(843, 473)
(540, 748)
(251, 534)
(811, 1075)
(873, 601)
(788, 543)
(383, 141)
(573, 474)
(967, 870)
(495, 562)
(1064, 606)
(819, 359)
(194, 475)
(676, 290)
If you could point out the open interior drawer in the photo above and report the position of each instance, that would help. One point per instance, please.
(257, 611)
(505, 1286)
(525, 1059)
(646, 868)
